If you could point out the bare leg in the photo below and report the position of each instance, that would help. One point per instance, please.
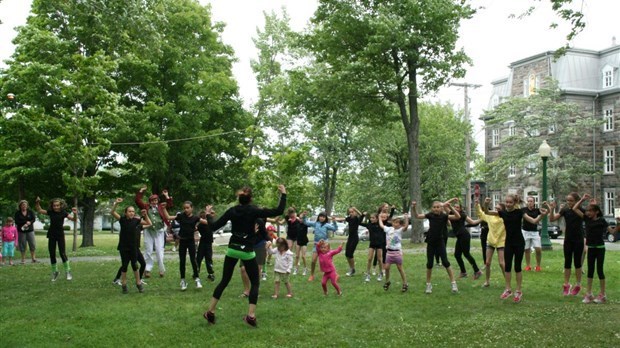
(538, 256)
(429, 272)
(315, 256)
(528, 257)
(288, 288)
(519, 276)
(450, 274)
(246, 281)
(402, 273)
(371, 254)
(508, 277)
(276, 290)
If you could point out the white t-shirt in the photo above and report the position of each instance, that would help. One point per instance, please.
(393, 237)
(284, 261)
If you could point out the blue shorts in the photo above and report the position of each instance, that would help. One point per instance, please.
(8, 249)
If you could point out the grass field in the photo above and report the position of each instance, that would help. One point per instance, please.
(90, 311)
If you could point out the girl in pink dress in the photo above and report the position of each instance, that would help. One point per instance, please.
(326, 263)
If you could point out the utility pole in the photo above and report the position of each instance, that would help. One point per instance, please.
(465, 86)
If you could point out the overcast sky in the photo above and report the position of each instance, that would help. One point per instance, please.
(491, 38)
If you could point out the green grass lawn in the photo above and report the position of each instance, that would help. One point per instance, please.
(91, 311)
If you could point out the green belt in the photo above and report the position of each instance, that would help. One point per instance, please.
(242, 255)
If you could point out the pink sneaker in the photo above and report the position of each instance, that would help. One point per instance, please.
(506, 294)
(587, 299)
(565, 289)
(477, 275)
(517, 297)
(600, 299)
(575, 290)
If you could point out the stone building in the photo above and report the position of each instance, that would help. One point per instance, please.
(588, 78)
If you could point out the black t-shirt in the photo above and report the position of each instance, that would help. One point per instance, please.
(292, 229)
(21, 219)
(512, 222)
(458, 226)
(302, 234)
(57, 220)
(574, 224)
(128, 239)
(533, 213)
(437, 225)
(206, 233)
(354, 224)
(595, 231)
(187, 225)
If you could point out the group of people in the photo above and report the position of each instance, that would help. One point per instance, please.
(510, 229)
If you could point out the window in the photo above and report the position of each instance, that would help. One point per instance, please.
(512, 171)
(512, 129)
(551, 128)
(496, 199)
(610, 202)
(495, 101)
(534, 132)
(495, 137)
(608, 118)
(609, 158)
(530, 85)
(530, 168)
(608, 76)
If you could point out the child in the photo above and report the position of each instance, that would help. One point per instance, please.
(376, 235)
(128, 243)
(283, 266)
(354, 219)
(515, 243)
(9, 237)
(139, 255)
(495, 237)
(394, 236)
(321, 228)
(596, 227)
(205, 248)
(463, 242)
(326, 263)
(56, 233)
(187, 221)
(437, 219)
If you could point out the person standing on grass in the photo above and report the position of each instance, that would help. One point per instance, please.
(326, 264)
(187, 244)
(321, 231)
(463, 242)
(515, 243)
(56, 233)
(496, 237)
(128, 243)
(9, 237)
(260, 239)
(205, 247)
(154, 236)
(282, 266)
(385, 213)
(573, 241)
(531, 235)
(139, 256)
(24, 221)
(302, 246)
(354, 219)
(596, 227)
(437, 219)
(484, 234)
(240, 247)
(377, 241)
(394, 237)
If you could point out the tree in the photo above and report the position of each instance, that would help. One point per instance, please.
(543, 114)
(391, 52)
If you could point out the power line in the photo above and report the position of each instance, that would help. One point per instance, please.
(175, 140)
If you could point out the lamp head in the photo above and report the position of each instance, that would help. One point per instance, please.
(544, 150)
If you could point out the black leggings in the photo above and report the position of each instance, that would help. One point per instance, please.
(374, 260)
(462, 248)
(128, 256)
(573, 250)
(205, 251)
(51, 247)
(445, 242)
(513, 252)
(351, 245)
(483, 244)
(438, 251)
(141, 261)
(186, 245)
(596, 256)
(251, 268)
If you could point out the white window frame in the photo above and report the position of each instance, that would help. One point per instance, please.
(608, 76)
(608, 118)
(609, 160)
(609, 202)
(512, 171)
(512, 129)
(552, 128)
(495, 137)
(497, 198)
(526, 87)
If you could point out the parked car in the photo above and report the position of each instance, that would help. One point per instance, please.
(363, 233)
(612, 231)
(474, 230)
(343, 229)
(553, 230)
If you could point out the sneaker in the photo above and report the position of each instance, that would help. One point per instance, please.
(304, 272)
(477, 275)
(143, 282)
(289, 295)
(311, 278)
(429, 288)
(463, 275)
(405, 287)
(506, 294)
(565, 289)
(250, 321)
(575, 290)
(211, 277)
(600, 299)
(124, 289)
(380, 278)
(486, 285)
(69, 276)
(117, 282)
(275, 297)
(517, 297)
(161, 274)
(140, 287)
(537, 269)
(198, 283)
(351, 272)
(210, 316)
(588, 298)
(455, 288)
(527, 268)
(55, 276)
(183, 285)
(367, 278)
(264, 277)
(147, 274)
(295, 271)
(374, 271)
(386, 286)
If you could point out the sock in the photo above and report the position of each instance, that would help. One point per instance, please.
(66, 266)
(55, 267)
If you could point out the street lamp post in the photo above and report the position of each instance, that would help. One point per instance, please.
(544, 151)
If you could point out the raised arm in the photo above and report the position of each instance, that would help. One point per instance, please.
(453, 215)
(146, 220)
(165, 214)
(577, 206)
(552, 214)
(74, 214)
(535, 221)
(406, 223)
(414, 211)
(113, 212)
(279, 210)
(37, 206)
(138, 198)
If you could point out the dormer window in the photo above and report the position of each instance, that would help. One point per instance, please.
(608, 76)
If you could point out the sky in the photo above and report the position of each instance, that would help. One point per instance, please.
(490, 38)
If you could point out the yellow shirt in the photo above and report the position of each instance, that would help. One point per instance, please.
(497, 230)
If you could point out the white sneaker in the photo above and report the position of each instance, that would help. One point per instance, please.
(367, 279)
(183, 285)
(374, 271)
(69, 276)
(304, 272)
(295, 271)
(264, 276)
(380, 278)
(429, 288)
(455, 289)
(198, 283)
(55, 276)
(350, 273)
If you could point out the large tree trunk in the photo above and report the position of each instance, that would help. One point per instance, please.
(413, 129)
(329, 187)
(88, 221)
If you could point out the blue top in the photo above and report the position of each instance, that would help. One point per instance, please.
(320, 230)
